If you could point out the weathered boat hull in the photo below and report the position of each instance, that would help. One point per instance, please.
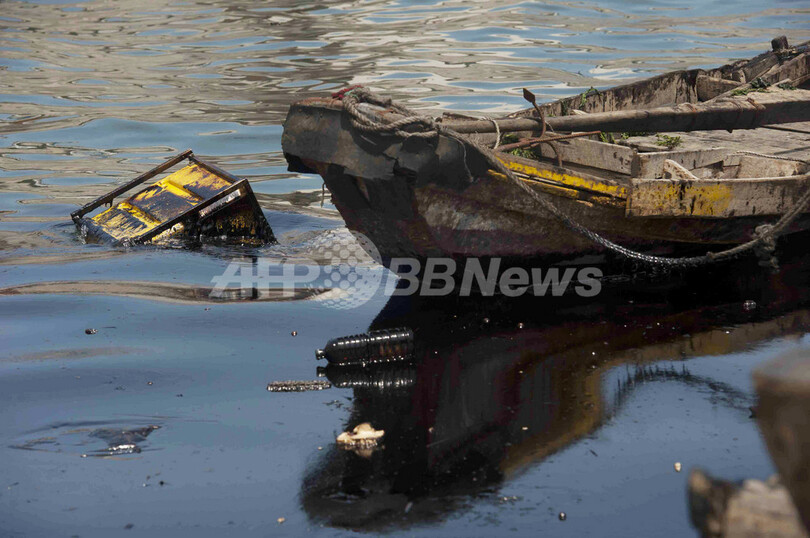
(420, 198)
(414, 199)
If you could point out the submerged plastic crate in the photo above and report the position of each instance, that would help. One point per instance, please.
(199, 200)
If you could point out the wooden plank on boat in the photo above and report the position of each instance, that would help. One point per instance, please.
(736, 197)
(771, 140)
(562, 177)
(755, 166)
(710, 87)
(611, 157)
(673, 170)
(795, 72)
(773, 106)
(651, 165)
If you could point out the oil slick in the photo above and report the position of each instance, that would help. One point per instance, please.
(118, 441)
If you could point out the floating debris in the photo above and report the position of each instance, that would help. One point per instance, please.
(195, 201)
(374, 347)
(298, 386)
(116, 441)
(281, 520)
(749, 305)
(562, 516)
(294, 333)
(363, 436)
(677, 467)
(385, 377)
(90, 331)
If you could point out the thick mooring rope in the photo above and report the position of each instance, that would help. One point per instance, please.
(764, 238)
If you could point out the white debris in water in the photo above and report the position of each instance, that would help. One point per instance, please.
(362, 436)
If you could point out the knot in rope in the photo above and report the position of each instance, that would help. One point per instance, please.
(766, 246)
(368, 122)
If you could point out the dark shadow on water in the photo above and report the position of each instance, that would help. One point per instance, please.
(496, 386)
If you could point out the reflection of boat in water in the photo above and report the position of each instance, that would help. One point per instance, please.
(499, 388)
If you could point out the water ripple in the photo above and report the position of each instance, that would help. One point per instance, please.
(92, 93)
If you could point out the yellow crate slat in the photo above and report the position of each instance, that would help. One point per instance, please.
(164, 200)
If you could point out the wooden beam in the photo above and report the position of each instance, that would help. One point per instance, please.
(710, 87)
(651, 165)
(741, 112)
(592, 153)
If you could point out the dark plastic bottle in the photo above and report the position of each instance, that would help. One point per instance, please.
(387, 345)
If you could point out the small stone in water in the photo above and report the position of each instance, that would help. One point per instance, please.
(562, 516)
(90, 331)
(749, 305)
(677, 467)
(294, 333)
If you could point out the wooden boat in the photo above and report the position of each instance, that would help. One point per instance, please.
(420, 197)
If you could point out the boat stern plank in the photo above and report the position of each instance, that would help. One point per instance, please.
(718, 198)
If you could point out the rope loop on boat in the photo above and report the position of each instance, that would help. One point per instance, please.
(763, 242)
(365, 122)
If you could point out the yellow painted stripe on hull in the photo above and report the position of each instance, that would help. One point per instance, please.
(570, 180)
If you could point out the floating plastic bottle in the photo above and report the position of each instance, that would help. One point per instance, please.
(383, 378)
(387, 345)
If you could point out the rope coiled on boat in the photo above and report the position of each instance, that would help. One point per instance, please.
(763, 242)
